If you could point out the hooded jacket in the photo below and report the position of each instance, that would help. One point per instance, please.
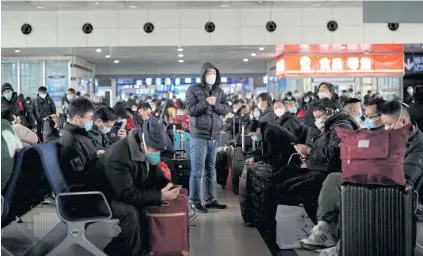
(19, 108)
(325, 153)
(206, 120)
(289, 122)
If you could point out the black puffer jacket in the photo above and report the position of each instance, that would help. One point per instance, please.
(43, 108)
(19, 108)
(291, 123)
(268, 116)
(206, 121)
(325, 152)
(100, 139)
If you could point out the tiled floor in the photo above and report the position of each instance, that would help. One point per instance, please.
(217, 233)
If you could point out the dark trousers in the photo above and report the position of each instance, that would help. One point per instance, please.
(134, 230)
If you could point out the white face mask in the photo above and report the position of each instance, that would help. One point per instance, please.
(153, 107)
(210, 79)
(236, 110)
(43, 95)
(279, 112)
(410, 91)
(320, 124)
(289, 97)
(323, 95)
(256, 115)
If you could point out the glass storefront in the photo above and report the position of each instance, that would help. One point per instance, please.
(31, 77)
(9, 73)
(27, 76)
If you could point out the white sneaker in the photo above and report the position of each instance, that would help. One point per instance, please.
(333, 251)
(320, 237)
(192, 215)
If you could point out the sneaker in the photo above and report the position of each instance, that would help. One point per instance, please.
(198, 208)
(320, 237)
(192, 215)
(333, 251)
(215, 205)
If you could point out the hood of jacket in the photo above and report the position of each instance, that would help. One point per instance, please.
(203, 72)
(134, 142)
(337, 118)
(13, 99)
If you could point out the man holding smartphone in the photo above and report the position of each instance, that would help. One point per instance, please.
(206, 104)
(133, 182)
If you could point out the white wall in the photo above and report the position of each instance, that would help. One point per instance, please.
(186, 27)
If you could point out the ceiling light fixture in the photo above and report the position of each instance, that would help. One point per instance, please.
(180, 61)
(116, 61)
(132, 6)
(107, 56)
(224, 6)
(96, 3)
(17, 50)
(253, 54)
(261, 49)
(180, 50)
(343, 47)
(180, 55)
(98, 50)
(40, 7)
(245, 60)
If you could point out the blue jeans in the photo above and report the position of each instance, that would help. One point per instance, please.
(203, 161)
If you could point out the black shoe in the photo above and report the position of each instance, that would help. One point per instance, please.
(215, 205)
(198, 208)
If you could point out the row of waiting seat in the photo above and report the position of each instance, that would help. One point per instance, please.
(38, 174)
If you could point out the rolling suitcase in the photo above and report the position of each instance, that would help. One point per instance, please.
(169, 230)
(222, 168)
(377, 220)
(245, 194)
(238, 156)
(182, 165)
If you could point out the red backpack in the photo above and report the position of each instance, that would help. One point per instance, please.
(373, 157)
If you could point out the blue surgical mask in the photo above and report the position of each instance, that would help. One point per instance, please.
(107, 129)
(259, 106)
(154, 158)
(293, 110)
(369, 124)
(88, 125)
(8, 96)
(361, 113)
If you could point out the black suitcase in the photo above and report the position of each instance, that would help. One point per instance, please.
(222, 168)
(377, 221)
(246, 192)
(239, 155)
(183, 172)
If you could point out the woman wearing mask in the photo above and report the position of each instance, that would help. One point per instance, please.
(11, 100)
(26, 136)
(255, 114)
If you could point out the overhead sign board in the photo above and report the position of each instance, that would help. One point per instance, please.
(413, 63)
(340, 64)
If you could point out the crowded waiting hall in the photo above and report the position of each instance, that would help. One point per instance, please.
(212, 128)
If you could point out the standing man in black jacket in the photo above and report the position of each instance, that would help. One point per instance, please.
(43, 107)
(206, 105)
(264, 103)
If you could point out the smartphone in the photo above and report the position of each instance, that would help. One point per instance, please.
(175, 186)
(122, 127)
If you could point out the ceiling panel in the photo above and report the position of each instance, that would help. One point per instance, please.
(122, 5)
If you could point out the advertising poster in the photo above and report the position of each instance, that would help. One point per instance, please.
(57, 87)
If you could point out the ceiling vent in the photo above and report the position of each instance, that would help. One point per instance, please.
(210, 27)
(148, 27)
(26, 29)
(87, 28)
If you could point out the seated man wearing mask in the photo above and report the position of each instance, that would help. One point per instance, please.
(288, 120)
(264, 103)
(372, 113)
(353, 107)
(275, 141)
(104, 119)
(320, 159)
(134, 182)
(78, 155)
(394, 116)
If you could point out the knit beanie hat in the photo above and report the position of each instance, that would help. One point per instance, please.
(154, 134)
(6, 86)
